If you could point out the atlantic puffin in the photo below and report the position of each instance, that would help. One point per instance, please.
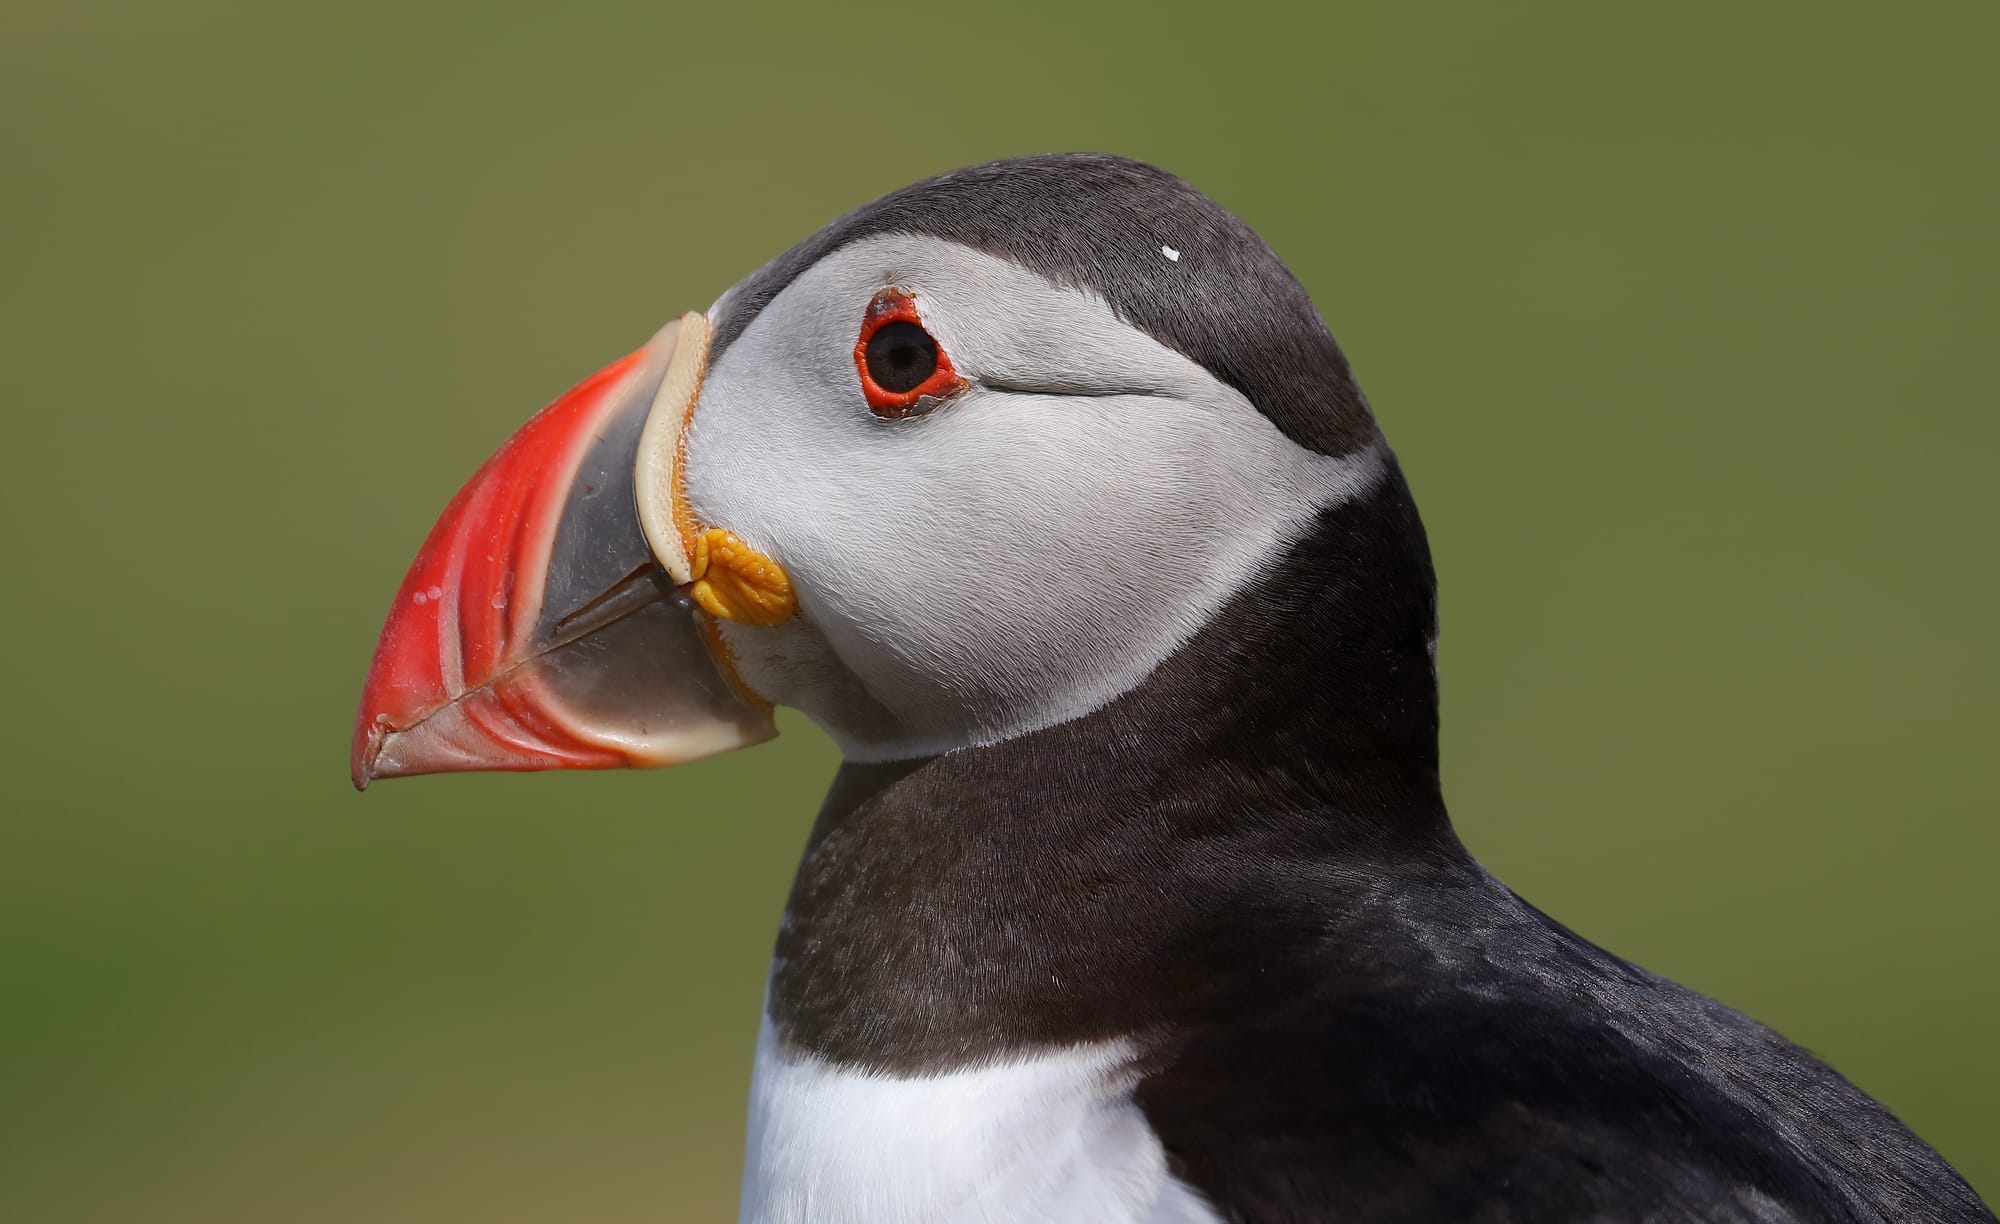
(1042, 487)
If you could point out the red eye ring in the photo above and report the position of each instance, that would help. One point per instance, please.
(894, 305)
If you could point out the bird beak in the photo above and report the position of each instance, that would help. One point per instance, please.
(537, 628)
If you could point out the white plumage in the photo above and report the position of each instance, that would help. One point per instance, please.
(1052, 1137)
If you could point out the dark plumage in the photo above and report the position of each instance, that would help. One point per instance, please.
(1246, 863)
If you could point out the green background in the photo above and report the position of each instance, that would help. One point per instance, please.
(1681, 318)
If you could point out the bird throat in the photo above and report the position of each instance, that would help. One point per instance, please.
(1101, 879)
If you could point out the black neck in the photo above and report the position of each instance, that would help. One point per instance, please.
(1120, 874)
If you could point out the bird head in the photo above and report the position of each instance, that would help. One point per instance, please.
(969, 462)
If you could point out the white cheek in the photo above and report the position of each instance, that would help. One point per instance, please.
(1010, 561)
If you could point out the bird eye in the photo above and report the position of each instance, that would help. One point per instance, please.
(904, 371)
(901, 356)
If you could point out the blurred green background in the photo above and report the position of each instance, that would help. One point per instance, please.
(1681, 318)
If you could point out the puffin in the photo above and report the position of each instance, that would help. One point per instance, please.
(1044, 490)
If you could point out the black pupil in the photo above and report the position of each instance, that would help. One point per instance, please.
(901, 356)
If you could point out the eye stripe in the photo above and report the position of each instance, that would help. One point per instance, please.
(904, 370)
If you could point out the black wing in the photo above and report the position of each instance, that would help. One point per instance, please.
(1518, 1073)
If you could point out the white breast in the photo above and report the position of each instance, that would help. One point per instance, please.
(1052, 1138)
